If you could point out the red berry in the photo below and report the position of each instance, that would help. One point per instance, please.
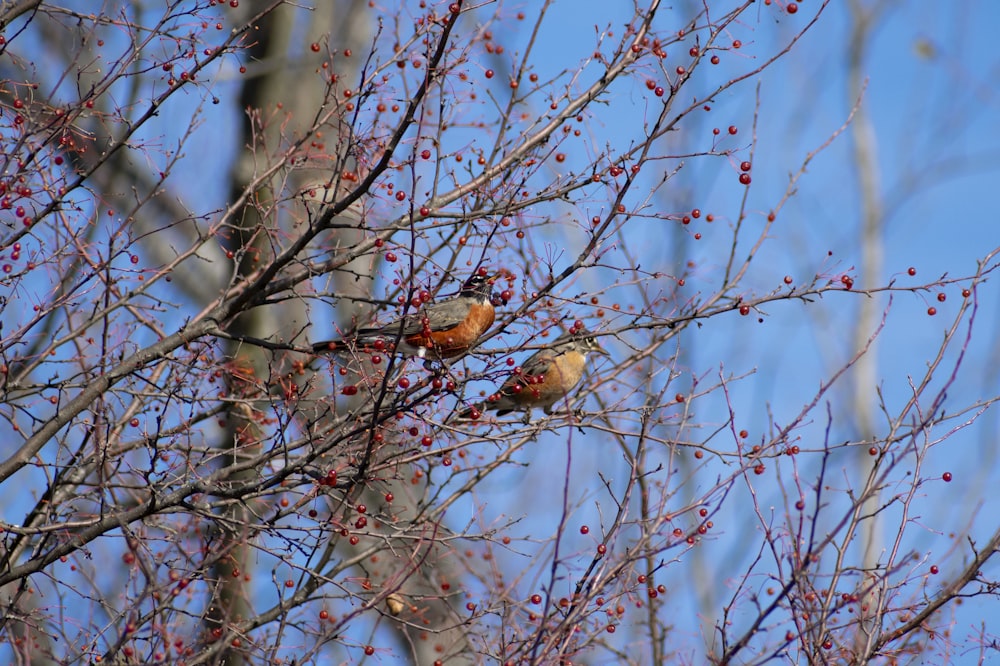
(791, 7)
(946, 477)
(911, 271)
(745, 178)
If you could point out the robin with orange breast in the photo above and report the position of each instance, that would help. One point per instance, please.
(438, 330)
(545, 378)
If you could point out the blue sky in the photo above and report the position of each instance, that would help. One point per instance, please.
(933, 95)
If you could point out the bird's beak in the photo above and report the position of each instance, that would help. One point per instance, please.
(601, 350)
(491, 283)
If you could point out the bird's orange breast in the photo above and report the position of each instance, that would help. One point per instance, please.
(457, 339)
(560, 377)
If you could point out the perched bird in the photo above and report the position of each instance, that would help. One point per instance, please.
(438, 330)
(544, 379)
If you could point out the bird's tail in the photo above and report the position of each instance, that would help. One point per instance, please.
(473, 413)
(330, 346)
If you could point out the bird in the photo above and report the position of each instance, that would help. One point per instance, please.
(439, 330)
(545, 378)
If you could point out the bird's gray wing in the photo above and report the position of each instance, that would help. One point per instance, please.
(538, 364)
(443, 316)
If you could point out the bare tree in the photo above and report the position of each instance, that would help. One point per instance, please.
(194, 194)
